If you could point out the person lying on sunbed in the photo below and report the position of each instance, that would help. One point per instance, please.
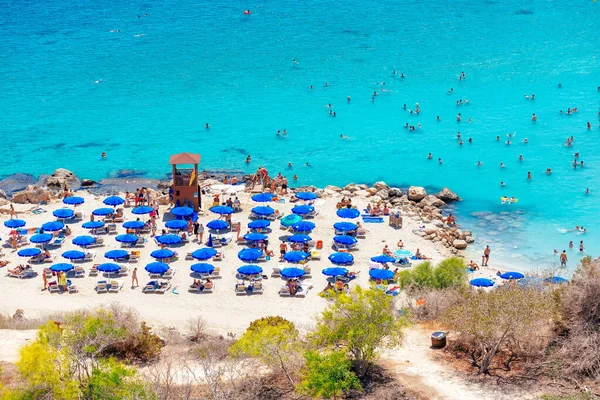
(386, 250)
(421, 256)
(17, 270)
(328, 288)
(4, 263)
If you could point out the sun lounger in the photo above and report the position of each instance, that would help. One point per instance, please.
(169, 273)
(312, 214)
(98, 243)
(361, 233)
(25, 273)
(241, 241)
(194, 289)
(93, 270)
(79, 272)
(141, 242)
(115, 286)
(123, 271)
(101, 287)
(58, 241)
(53, 287)
(240, 288)
(163, 286)
(208, 288)
(257, 288)
(307, 272)
(304, 291)
(188, 256)
(216, 273)
(72, 289)
(315, 255)
(284, 291)
(134, 256)
(218, 257)
(40, 259)
(89, 255)
(276, 273)
(111, 229)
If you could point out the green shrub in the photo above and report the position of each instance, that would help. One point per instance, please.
(449, 273)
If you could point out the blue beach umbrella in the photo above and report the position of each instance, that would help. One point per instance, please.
(142, 210)
(61, 267)
(127, 238)
(204, 254)
(92, 224)
(263, 197)
(223, 210)
(556, 279)
(254, 237)
(290, 220)
(157, 268)
(14, 223)
(176, 224)
(303, 209)
(344, 239)
(250, 254)
(382, 259)
(250, 270)
(341, 258)
(41, 238)
(115, 254)
(380, 273)
(349, 213)
(306, 195)
(113, 201)
(168, 239)
(162, 254)
(109, 267)
(63, 213)
(202, 268)
(53, 226)
(295, 256)
(73, 200)
(217, 224)
(259, 224)
(299, 238)
(182, 211)
(133, 225)
(512, 275)
(345, 226)
(482, 282)
(292, 272)
(30, 252)
(73, 255)
(263, 210)
(334, 271)
(103, 211)
(83, 240)
(304, 226)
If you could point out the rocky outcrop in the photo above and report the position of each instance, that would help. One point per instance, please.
(333, 188)
(447, 195)
(32, 194)
(384, 194)
(431, 201)
(394, 192)
(87, 182)
(459, 244)
(62, 177)
(416, 193)
(380, 186)
(164, 185)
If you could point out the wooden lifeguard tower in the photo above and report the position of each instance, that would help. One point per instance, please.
(186, 191)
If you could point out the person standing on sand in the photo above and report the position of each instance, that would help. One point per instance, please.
(196, 227)
(12, 211)
(45, 278)
(134, 279)
(201, 232)
(563, 259)
(486, 256)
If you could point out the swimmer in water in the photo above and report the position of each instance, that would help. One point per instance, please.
(501, 165)
(207, 126)
(458, 135)
(284, 132)
(458, 117)
(290, 166)
(529, 175)
(587, 190)
(502, 184)
(103, 155)
(295, 177)
(479, 164)
(307, 164)
(248, 159)
(521, 157)
(534, 118)
(348, 98)
(440, 161)
(295, 62)
(402, 76)
(525, 141)
(460, 142)
(429, 156)
(438, 118)
(470, 140)
(344, 137)
(497, 138)
(548, 171)
(560, 85)
(98, 81)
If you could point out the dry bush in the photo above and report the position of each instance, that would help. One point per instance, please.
(580, 345)
(196, 329)
(19, 321)
(430, 304)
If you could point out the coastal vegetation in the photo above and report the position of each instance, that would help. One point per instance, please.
(545, 333)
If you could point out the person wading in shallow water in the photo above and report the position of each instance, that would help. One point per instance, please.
(486, 256)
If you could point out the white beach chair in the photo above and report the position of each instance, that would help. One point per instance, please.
(101, 287)
(115, 286)
(240, 288)
(257, 288)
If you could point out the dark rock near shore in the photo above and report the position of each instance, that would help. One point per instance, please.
(447, 195)
(87, 182)
(62, 177)
(16, 182)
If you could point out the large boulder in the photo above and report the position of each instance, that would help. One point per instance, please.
(459, 244)
(394, 192)
(163, 200)
(87, 182)
(375, 199)
(3, 194)
(447, 195)
(383, 194)
(431, 201)
(162, 185)
(333, 188)
(361, 193)
(351, 187)
(32, 194)
(416, 193)
(380, 185)
(320, 193)
(60, 178)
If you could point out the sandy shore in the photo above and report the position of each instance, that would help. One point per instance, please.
(223, 310)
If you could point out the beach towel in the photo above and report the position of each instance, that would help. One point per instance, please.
(369, 219)
(38, 211)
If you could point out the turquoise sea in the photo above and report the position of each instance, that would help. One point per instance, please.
(140, 79)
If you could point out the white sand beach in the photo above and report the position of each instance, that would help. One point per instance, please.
(222, 309)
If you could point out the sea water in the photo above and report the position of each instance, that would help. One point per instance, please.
(140, 79)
